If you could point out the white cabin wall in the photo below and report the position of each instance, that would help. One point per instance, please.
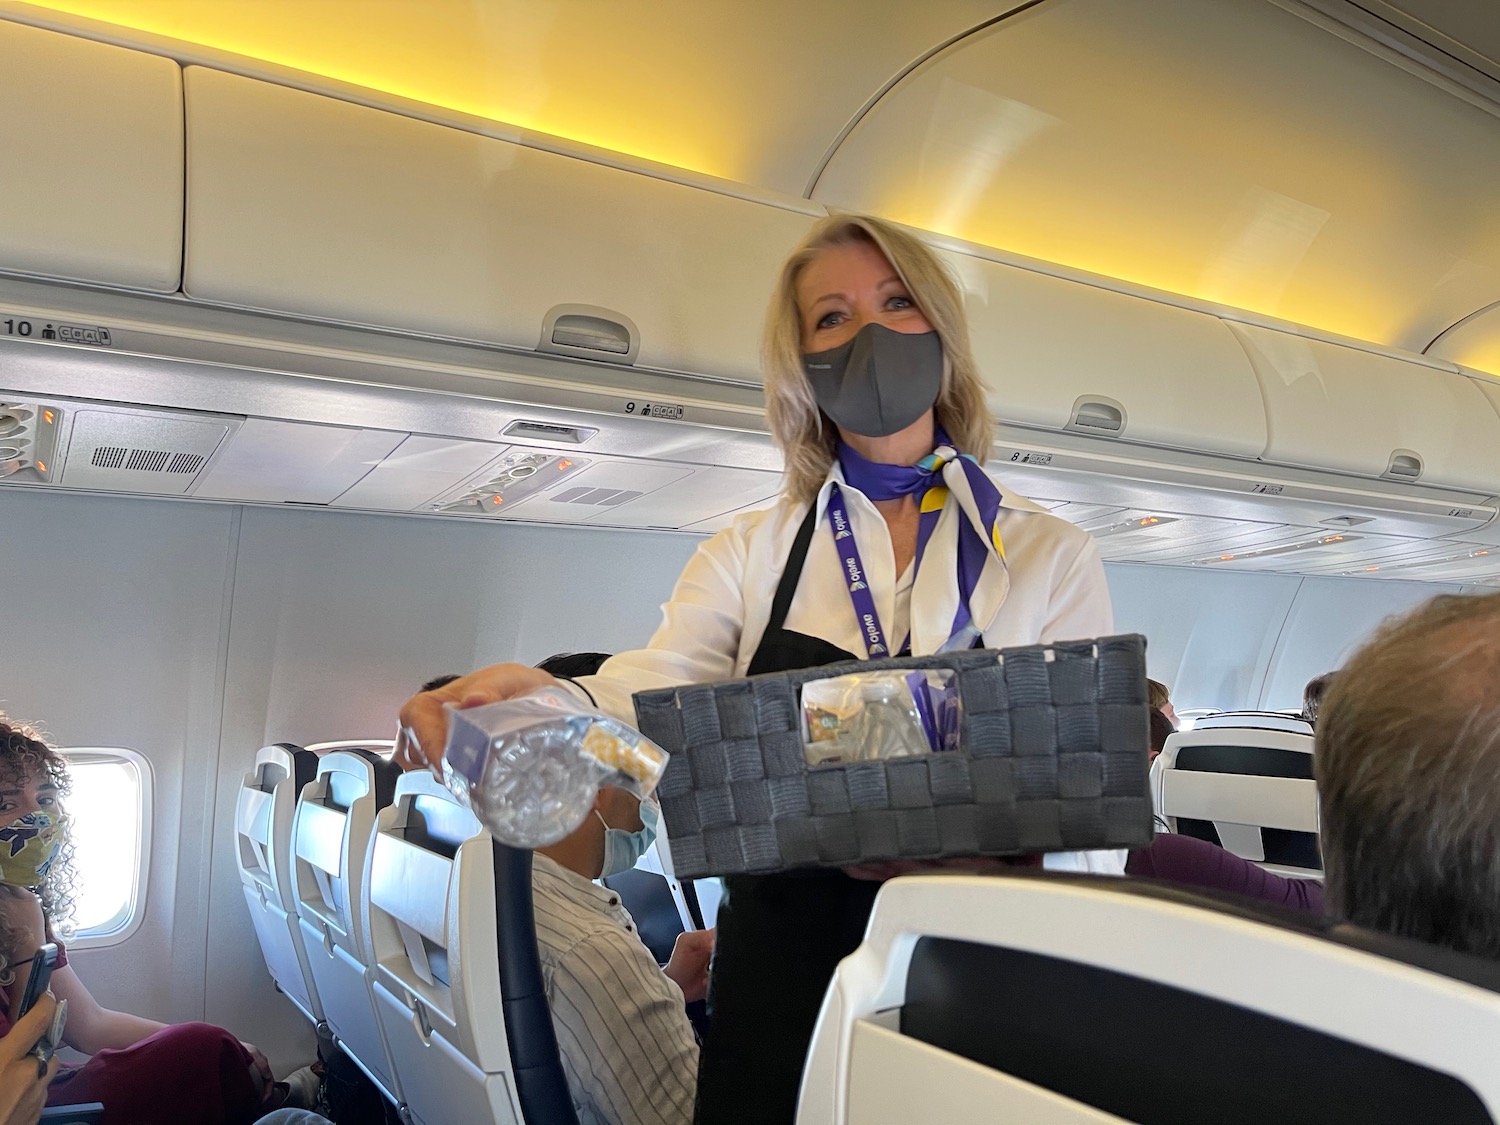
(116, 617)
(1250, 640)
(338, 617)
(1329, 619)
(195, 633)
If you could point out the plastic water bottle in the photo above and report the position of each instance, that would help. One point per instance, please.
(529, 768)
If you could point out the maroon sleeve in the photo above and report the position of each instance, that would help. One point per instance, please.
(1197, 863)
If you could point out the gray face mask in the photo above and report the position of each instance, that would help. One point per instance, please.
(879, 382)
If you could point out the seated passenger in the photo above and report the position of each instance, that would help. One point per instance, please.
(143, 1071)
(1199, 863)
(1312, 696)
(23, 1076)
(627, 1046)
(1407, 757)
(628, 1049)
(1161, 730)
(1161, 700)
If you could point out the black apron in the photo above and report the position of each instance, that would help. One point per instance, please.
(780, 936)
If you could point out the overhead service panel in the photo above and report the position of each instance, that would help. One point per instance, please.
(152, 452)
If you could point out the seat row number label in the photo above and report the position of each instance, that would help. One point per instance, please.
(31, 328)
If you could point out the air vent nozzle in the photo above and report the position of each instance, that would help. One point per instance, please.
(590, 332)
(28, 441)
(1096, 415)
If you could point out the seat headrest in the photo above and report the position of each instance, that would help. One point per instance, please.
(1254, 720)
(276, 762)
(1480, 972)
(383, 774)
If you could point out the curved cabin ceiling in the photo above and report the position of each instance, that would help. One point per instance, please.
(1474, 342)
(1226, 150)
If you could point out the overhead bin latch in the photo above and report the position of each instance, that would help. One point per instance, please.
(1404, 465)
(1095, 414)
(590, 332)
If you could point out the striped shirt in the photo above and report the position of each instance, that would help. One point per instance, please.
(627, 1047)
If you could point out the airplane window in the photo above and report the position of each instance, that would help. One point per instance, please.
(1187, 717)
(109, 831)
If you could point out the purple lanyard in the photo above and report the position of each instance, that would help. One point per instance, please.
(853, 569)
(854, 575)
(855, 579)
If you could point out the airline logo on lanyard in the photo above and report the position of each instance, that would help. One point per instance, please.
(854, 570)
(980, 550)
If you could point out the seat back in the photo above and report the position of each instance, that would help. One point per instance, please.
(263, 850)
(696, 900)
(541, 1083)
(1073, 999)
(662, 905)
(332, 830)
(648, 898)
(434, 972)
(1249, 789)
(1254, 720)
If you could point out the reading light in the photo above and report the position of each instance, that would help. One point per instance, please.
(1463, 556)
(1286, 549)
(1137, 523)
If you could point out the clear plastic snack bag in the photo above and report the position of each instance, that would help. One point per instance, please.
(529, 768)
(870, 716)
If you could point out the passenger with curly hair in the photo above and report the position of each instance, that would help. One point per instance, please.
(143, 1071)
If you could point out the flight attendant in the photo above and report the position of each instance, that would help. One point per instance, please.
(890, 537)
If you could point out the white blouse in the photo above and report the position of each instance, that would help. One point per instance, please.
(719, 610)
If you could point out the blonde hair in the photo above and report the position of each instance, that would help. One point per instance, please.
(806, 438)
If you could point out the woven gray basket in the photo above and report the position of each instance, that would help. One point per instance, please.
(1052, 758)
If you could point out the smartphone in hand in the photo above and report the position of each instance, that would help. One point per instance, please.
(41, 976)
(47, 1045)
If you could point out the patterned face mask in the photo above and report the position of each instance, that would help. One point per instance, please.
(29, 845)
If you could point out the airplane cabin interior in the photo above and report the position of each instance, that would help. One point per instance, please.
(347, 345)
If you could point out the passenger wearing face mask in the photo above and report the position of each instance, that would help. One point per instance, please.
(890, 537)
(628, 1050)
(142, 1070)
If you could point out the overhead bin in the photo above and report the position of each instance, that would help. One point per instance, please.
(90, 161)
(306, 205)
(1350, 411)
(1488, 386)
(1062, 355)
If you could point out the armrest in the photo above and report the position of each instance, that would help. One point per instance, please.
(84, 1113)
